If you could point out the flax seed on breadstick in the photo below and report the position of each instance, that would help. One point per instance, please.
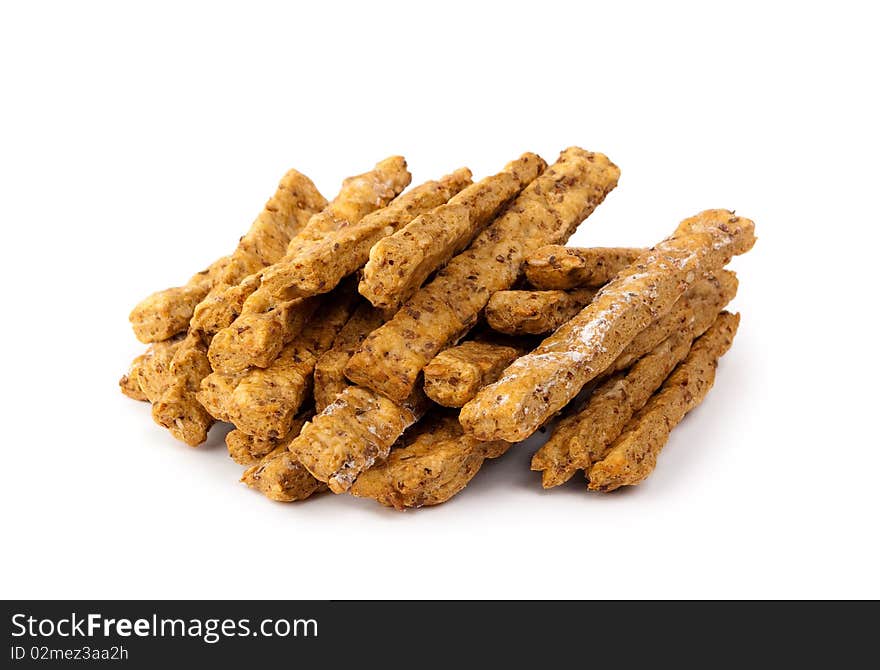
(559, 267)
(547, 211)
(400, 263)
(322, 264)
(540, 383)
(534, 312)
(352, 433)
(435, 461)
(167, 312)
(456, 374)
(633, 455)
(279, 477)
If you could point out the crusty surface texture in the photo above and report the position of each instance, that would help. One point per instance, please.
(177, 409)
(153, 373)
(534, 312)
(547, 211)
(399, 264)
(584, 437)
(633, 455)
(559, 267)
(168, 312)
(330, 378)
(257, 339)
(267, 323)
(279, 477)
(702, 302)
(248, 450)
(352, 433)
(456, 374)
(128, 383)
(435, 461)
(359, 196)
(539, 384)
(322, 264)
(264, 402)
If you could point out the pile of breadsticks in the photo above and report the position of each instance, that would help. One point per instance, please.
(387, 342)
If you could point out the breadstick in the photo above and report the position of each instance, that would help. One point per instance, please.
(264, 402)
(248, 450)
(330, 379)
(167, 312)
(177, 409)
(559, 267)
(153, 374)
(702, 302)
(540, 383)
(279, 477)
(128, 383)
(633, 455)
(321, 265)
(582, 438)
(547, 211)
(358, 196)
(352, 433)
(400, 263)
(456, 374)
(435, 461)
(534, 312)
(255, 340)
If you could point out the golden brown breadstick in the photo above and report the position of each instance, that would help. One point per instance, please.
(456, 374)
(248, 450)
(582, 438)
(255, 340)
(177, 409)
(330, 378)
(352, 433)
(547, 211)
(264, 402)
(165, 313)
(128, 383)
(702, 302)
(400, 263)
(265, 325)
(534, 312)
(279, 477)
(435, 461)
(559, 267)
(539, 384)
(358, 196)
(322, 264)
(633, 455)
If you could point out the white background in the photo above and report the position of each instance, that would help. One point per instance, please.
(138, 142)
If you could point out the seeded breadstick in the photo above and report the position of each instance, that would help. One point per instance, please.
(400, 263)
(539, 384)
(456, 374)
(153, 374)
(534, 312)
(264, 402)
(559, 267)
(248, 450)
(547, 211)
(702, 302)
(582, 438)
(257, 339)
(435, 461)
(167, 312)
(352, 433)
(177, 409)
(330, 379)
(265, 325)
(358, 196)
(279, 477)
(633, 455)
(128, 383)
(321, 265)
